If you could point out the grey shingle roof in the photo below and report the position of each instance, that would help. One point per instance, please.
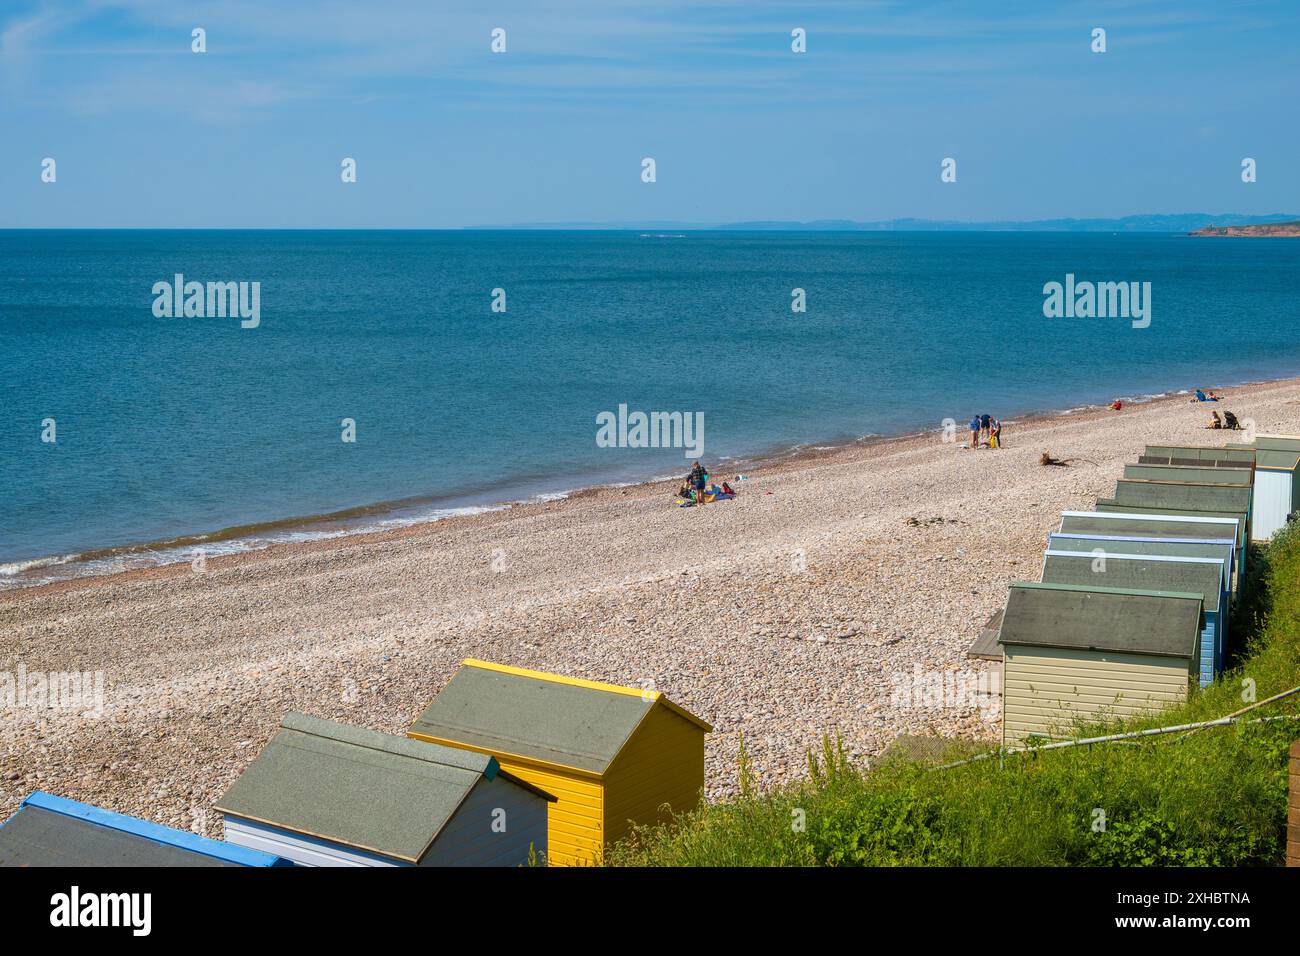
(560, 723)
(1110, 506)
(1204, 577)
(360, 788)
(1099, 523)
(39, 837)
(1278, 442)
(1187, 473)
(1168, 495)
(1165, 546)
(1278, 460)
(1244, 454)
(1165, 624)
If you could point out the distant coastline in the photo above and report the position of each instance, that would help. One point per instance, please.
(1271, 230)
(1188, 222)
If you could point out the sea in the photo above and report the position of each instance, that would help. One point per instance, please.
(394, 377)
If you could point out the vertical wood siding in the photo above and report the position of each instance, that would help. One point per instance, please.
(663, 763)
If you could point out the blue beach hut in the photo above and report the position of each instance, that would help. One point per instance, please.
(53, 831)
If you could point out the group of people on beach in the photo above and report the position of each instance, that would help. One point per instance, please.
(1228, 421)
(699, 488)
(985, 431)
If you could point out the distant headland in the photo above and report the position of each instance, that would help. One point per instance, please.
(1276, 230)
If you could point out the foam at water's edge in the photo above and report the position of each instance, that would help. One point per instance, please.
(47, 570)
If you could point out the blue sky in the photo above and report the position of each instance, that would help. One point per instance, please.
(446, 133)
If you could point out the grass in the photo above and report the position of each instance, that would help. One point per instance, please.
(1216, 797)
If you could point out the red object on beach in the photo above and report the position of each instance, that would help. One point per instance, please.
(1117, 404)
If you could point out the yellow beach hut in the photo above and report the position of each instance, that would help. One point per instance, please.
(612, 756)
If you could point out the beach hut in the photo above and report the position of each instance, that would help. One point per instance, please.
(1237, 519)
(1152, 525)
(1169, 498)
(612, 755)
(1160, 523)
(1199, 496)
(325, 794)
(1087, 654)
(1223, 547)
(1151, 572)
(1188, 474)
(1277, 491)
(54, 831)
(1228, 456)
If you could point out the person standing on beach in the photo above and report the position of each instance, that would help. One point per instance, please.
(975, 432)
(986, 421)
(697, 479)
(995, 434)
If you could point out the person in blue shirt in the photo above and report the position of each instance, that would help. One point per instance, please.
(975, 432)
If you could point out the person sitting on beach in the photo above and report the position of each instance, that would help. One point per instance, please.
(1230, 421)
(727, 489)
(1214, 421)
(1117, 404)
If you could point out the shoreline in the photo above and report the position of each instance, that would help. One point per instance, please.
(790, 612)
(350, 523)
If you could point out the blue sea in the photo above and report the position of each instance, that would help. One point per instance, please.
(179, 436)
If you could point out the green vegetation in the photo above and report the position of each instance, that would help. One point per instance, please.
(1214, 797)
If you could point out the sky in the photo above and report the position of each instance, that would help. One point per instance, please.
(446, 133)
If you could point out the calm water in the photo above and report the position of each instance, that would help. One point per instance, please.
(169, 427)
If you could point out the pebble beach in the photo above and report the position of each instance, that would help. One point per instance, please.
(781, 616)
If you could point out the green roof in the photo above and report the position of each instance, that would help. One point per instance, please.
(1169, 495)
(552, 721)
(1270, 459)
(1126, 570)
(35, 836)
(1184, 473)
(1111, 506)
(1120, 620)
(1104, 522)
(1243, 453)
(1277, 442)
(362, 789)
(1166, 546)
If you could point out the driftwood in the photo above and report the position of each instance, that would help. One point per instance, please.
(1047, 459)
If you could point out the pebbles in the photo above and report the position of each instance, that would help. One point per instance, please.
(779, 618)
